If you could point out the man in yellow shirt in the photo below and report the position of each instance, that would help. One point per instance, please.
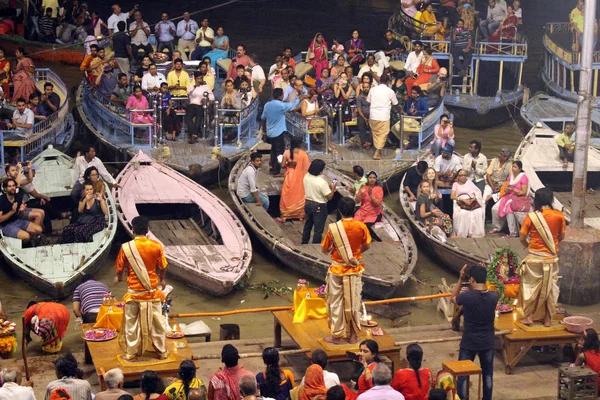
(576, 12)
(566, 144)
(143, 322)
(178, 79)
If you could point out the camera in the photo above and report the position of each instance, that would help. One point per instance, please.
(246, 90)
(443, 78)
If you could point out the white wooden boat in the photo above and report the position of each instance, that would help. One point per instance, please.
(205, 243)
(539, 153)
(56, 268)
(388, 264)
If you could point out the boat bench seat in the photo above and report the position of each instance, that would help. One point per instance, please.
(224, 64)
(303, 68)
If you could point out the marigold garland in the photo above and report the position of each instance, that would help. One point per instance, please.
(8, 346)
(495, 276)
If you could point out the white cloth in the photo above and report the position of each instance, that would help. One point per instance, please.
(381, 99)
(140, 37)
(476, 174)
(442, 165)
(81, 165)
(376, 69)
(150, 81)
(382, 60)
(258, 73)
(186, 30)
(12, 391)
(114, 19)
(316, 188)
(469, 223)
(201, 34)
(331, 379)
(413, 61)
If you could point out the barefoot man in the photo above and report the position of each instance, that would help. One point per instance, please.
(143, 322)
(539, 290)
(345, 242)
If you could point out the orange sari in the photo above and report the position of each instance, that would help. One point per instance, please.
(292, 200)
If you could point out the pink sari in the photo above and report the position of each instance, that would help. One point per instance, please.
(139, 117)
(317, 56)
(291, 204)
(511, 202)
(23, 82)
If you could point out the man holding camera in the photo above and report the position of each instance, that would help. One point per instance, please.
(199, 94)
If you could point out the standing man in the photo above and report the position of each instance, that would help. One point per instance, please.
(165, 30)
(194, 116)
(139, 32)
(462, 45)
(345, 242)
(273, 123)
(246, 185)
(479, 310)
(476, 164)
(186, 30)
(566, 144)
(381, 98)
(545, 227)
(204, 39)
(258, 74)
(362, 108)
(87, 160)
(143, 322)
(122, 48)
(117, 16)
(87, 299)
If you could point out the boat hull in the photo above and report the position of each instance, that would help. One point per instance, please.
(487, 114)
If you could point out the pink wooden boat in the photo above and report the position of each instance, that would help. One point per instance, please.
(206, 245)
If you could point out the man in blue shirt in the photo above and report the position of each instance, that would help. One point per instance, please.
(416, 105)
(273, 123)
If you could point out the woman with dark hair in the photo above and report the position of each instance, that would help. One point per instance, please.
(370, 197)
(23, 82)
(180, 389)
(318, 192)
(151, 386)
(317, 54)
(274, 382)
(295, 162)
(356, 52)
(590, 352)
(4, 74)
(368, 356)
(426, 68)
(514, 197)
(91, 210)
(414, 382)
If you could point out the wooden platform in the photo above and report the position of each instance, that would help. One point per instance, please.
(104, 357)
(483, 248)
(310, 334)
(553, 113)
(516, 344)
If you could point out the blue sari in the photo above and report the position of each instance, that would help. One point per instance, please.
(217, 54)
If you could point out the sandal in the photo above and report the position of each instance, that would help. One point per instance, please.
(280, 220)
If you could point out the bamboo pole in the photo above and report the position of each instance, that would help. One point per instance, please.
(442, 340)
(24, 351)
(287, 308)
(249, 355)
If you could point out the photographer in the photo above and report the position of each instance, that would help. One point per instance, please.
(245, 94)
(194, 117)
(92, 208)
(436, 90)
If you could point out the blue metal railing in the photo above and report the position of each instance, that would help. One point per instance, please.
(244, 121)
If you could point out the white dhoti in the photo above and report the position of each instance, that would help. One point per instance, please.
(142, 328)
(539, 286)
(343, 303)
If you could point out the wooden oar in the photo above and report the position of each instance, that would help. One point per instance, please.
(24, 352)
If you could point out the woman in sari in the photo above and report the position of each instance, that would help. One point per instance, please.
(314, 384)
(356, 52)
(466, 11)
(426, 68)
(431, 26)
(295, 162)
(23, 83)
(4, 74)
(428, 214)
(49, 321)
(339, 67)
(368, 357)
(469, 211)
(317, 54)
(137, 101)
(99, 26)
(370, 197)
(220, 48)
(506, 30)
(513, 199)
(274, 382)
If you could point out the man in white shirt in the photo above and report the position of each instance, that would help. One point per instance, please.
(186, 30)
(319, 357)
(204, 38)
(447, 165)
(476, 164)
(117, 16)
(152, 80)
(246, 188)
(23, 119)
(496, 13)
(375, 69)
(82, 163)
(12, 389)
(139, 32)
(414, 59)
(194, 113)
(258, 73)
(381, 98)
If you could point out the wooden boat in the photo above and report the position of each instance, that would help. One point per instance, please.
(553, 113)
(58, 129)
(539, 153)
(491, 91)
(57, 268)
(562, 65)
(205, 243)
(68, 54)
(456, 252)
(389, 264)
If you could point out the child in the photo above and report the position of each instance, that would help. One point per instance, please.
(239, 70)
(211, 69)
(168, 115)
(518, 10)
(337, 48)
(275, 70)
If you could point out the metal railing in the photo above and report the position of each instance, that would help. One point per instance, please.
(299, 125)
(46, 131)
(243, 121)
(516, 47)
(566, 54)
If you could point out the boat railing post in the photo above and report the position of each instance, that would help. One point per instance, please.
(401, 145)
(205, 116)
(160, 131)
(326, 134)
(340, 125)
(217, 136)
(153, 139)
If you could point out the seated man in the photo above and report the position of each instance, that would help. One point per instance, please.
(13, 387)
(320, 358)
(35, 207)
(208, 78)
(13, 220)
(121, 93)
(114, 380)
(448, 10)
(416, 104)
(413, 178)
(64, 32)
(82, 163)
(49, 100)
(152, 80)
(225, 383)
(106, 82)
(23, 119)
(375, 69)
(566, 144)
(39, 112)
(447, 165)
(65, 367)
(246, 185)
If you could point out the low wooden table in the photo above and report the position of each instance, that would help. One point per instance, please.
(516, 344)
(310, 334)
(103, 355)
(464, 368)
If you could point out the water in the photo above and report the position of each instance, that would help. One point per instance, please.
(265, 27)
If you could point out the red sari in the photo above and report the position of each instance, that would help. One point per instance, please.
(428, 67)
(23, 83)
(5, 78)
(365, 384)
(317, 56)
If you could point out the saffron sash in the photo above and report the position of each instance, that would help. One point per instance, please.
(137, 264)
(342, 244)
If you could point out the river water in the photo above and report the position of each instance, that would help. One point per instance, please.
(265, 27)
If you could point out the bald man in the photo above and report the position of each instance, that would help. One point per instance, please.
(197, 394)
(12, 388)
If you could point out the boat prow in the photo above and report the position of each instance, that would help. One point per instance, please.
(205, 244)
(56, 268)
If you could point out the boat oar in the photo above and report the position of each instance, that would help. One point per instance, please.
(24, 352)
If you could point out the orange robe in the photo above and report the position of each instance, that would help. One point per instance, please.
(291, 204)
